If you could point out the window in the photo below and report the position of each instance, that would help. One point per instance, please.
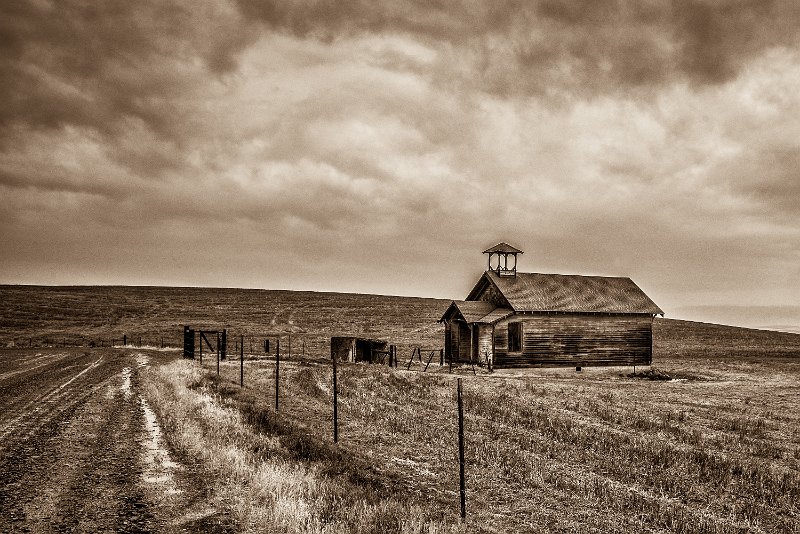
(515, 336)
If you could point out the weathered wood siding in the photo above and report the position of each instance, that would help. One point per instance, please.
(490, 294)
(457, 341)
(576, 340)
(465, 342)
(452, 346)
(484, 341)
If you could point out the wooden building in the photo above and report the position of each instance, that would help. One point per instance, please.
(356, 349)
(515, 319)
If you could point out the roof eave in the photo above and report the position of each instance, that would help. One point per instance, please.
(447, 311)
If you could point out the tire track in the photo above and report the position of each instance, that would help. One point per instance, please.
(33, 414)
(82, 451)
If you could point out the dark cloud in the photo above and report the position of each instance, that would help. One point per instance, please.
(533, 47)
(97, 64)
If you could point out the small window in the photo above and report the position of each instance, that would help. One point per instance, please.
(515, 336)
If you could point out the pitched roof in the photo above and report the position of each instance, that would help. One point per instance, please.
(502, 248)
(568, 293)
(495, 315)
(471, 311)
(478, 311)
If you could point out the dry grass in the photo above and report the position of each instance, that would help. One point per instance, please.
(547, 450)
(271, 474)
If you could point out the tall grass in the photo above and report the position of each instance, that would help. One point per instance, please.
(269, 473)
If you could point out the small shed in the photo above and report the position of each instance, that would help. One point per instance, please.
(357, 349)
(515, 319)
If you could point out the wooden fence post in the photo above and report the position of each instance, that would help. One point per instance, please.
(218, 354)
(335, 405)
(461, 481)
(124, 340)
(241, 363)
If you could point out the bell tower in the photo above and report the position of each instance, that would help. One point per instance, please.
(503, 259)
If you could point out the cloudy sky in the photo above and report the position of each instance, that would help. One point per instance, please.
(380, 145)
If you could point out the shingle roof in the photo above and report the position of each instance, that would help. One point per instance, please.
(478, 311)
(473, 310)
(495, 315)
(570, 293)
(503, 247)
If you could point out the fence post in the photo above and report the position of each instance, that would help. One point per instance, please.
(217, 353)
(277, 368)
(124, 340)
(223, 344)
(241, 363)
(335, 405)
(441, 357)
(462, 486)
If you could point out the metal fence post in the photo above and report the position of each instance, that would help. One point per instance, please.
(277, 368)
(462, 485)
(335, 405)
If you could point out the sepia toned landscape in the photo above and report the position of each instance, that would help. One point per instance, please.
(137, 438)
(611, 186)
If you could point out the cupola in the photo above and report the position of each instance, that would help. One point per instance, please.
(503, 259)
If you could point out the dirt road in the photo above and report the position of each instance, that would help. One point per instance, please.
(81, 451)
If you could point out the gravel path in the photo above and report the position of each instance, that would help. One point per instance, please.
(81, 451)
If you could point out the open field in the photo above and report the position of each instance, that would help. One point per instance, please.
(716, 448)
(47, 316)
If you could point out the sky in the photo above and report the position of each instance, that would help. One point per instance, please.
(378, 146)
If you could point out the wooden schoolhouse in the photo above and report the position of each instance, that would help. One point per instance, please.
(516, 319)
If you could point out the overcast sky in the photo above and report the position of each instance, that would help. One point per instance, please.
(380, 146)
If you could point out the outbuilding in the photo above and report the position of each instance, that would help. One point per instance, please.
(357, 349)
(516, 319)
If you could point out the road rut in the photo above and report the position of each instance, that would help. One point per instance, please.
(81, 450)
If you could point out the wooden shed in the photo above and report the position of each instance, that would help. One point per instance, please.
(356, 349)
(515, 319)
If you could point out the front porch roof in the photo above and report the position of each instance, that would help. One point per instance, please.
(475, 311)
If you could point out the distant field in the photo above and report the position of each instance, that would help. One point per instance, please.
(42, 316)
(714, 446)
